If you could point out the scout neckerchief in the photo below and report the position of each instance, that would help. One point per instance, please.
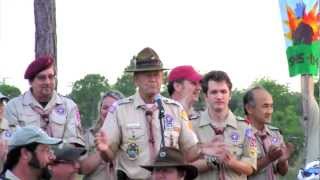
(219, 132)
(44, 118)
(266, 143)
(149, 113)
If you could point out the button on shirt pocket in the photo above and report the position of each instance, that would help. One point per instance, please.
(133, 132)
(57, 123)
(29, 119)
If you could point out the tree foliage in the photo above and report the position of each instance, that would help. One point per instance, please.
(125, 84)
(9, 91)
(86, 93)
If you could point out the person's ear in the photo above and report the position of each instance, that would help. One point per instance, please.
(248, 108)
(25, 154)
(177, 86)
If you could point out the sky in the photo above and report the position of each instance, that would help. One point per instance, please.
(243, 38)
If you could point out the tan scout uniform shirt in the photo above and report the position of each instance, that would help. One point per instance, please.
(127, 133)
(276, 140)
(64, 117)
(101, 172)
(238, 134)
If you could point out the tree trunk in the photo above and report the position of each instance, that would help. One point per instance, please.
(45, 22)
(311, 120)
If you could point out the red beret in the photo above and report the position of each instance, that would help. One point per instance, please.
(38, 65)
(184, 72)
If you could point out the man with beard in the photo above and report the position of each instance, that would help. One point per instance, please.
(184, 86)
(29, 155)
(273, 153)
(43, 107)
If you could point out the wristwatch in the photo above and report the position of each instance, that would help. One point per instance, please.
(212, 161)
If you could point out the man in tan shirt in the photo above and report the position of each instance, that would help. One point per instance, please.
(273, 153)
(236, 158)
(132, 130)
(43, 107)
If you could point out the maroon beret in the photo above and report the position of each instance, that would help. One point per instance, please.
(38, 65)
(184, 72)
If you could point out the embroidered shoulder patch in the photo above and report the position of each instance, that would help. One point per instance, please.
(184, 115)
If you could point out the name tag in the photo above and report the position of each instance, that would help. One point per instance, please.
(133, 126)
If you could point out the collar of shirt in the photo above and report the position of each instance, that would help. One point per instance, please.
(138, 101)
(10, 175)
(266, 130)
(28, 99)
(205, 119)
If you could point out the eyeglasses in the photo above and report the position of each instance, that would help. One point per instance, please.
(43, 77)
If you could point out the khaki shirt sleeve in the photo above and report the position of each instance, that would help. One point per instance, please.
(250, 148)
(73, 130)
(111, 128)
(187, 137)
(4, 124)
(11, 114)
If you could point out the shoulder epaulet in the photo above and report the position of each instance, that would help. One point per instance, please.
(272, 128)
(239, 118)
(170, 101)
(243, 120)
(125, 101)
(196, 115)
(118, 103)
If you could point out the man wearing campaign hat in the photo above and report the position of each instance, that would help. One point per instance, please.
(170, 165)
(66, 165)
(132, 128)
(42, 106)
(29, 154)
(184, 86)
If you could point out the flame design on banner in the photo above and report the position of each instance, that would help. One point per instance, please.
(303, 26)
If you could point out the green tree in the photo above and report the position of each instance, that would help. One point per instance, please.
(86, 93)
(125, 84)
(236, 104)
(9, 91)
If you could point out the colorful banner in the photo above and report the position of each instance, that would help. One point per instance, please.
(301, 24)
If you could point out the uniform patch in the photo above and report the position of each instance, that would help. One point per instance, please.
(60, 110)
(168, 121)
(133, 151)
(235, 137)
(184, 115)
(274, 140)
(113, 107)
(7, 134)
(249, 132)
(253, 152)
